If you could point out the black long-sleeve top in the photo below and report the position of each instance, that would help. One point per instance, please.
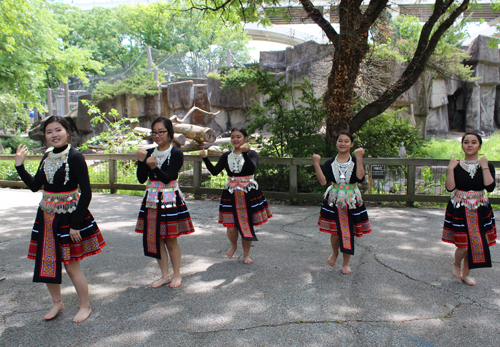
(78, 177)
(169, 170)
(464, 182)
(251, 160)
(328, 172)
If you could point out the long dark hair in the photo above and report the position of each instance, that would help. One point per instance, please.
(168, 125)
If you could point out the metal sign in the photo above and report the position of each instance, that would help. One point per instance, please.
(378, 172)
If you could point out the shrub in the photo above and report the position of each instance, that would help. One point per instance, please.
(383, 135)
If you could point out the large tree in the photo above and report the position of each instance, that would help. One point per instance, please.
(351, 43)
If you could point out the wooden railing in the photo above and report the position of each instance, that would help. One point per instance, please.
(197, 189)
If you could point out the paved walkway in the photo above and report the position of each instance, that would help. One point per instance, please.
(401, 291)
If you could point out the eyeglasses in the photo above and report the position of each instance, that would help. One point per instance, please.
(159, 133)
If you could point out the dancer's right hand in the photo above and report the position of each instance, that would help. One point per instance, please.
(203, 154)
(21, 152)
(316, 158)
(453, 163)
(141, 154)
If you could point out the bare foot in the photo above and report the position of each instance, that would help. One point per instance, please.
(160, 282)
(83, 314)
(176, 282)
(58, 307)
(456, 271)
(468, 280)
(331, 261)
(231, 251)
(346, 269)
(247, 260)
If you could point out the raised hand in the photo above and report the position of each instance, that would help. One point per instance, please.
(203, 154)
(141, 154)
(21, 152)
(244, 148)
(453, 163)
(483, 162)
(359, 152)
(316, 158)
(151, 162)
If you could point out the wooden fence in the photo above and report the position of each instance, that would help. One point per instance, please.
(410, 196)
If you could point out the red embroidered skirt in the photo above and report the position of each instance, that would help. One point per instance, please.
(472, 229)
(344, 222)
(244, 211)
(161, 223)
(51, 244)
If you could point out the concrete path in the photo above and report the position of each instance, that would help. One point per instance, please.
(401, 291)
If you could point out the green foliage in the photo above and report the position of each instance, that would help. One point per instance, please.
(139, 85)
(401, 39)
(383, 135)
(29, 46)
(8, 170)
(119, 137)
(294, 130)
(218, 181)
(10, 117)
(447, 148)
(239, 77)
(10, 144)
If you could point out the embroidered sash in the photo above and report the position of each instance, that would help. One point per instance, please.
(164, 194)
(167, 198)
(242, 183)
(48, 258)
(239, 186)
(65, 202)
(478, 250)
(342, 195)
(469, 199)
(345, 230)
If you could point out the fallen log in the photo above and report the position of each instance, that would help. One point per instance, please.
(195, 132)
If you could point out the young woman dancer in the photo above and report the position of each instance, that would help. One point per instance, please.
(343, 211)
(469, 222)
(242, 204)
(64, 230)
(164, 215)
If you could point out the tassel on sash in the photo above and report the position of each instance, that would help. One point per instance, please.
(242, 183)
(65, 202)
(469, 199)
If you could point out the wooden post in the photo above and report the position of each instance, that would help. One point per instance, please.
(197, 178)
(49, 101)
(410, 185)
(66, 98)
(293, 179)
(150, 59)
(113, 175)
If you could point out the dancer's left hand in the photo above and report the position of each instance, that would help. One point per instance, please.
(359, 152)
(244, 148)
(75, 235)
(483, 162)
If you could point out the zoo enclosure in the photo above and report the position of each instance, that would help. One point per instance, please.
(389, 179)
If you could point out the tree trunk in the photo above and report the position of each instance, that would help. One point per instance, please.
(200, 134)
(351, 47)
